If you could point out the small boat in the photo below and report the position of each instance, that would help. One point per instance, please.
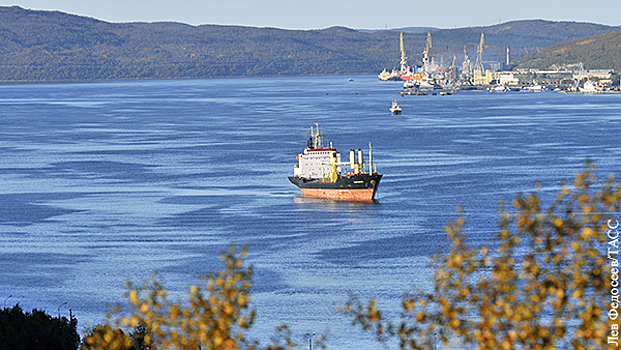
(413, 92)
(409, 84)
(590, 87)
(535, 88)
(395, 109)
(498, 88)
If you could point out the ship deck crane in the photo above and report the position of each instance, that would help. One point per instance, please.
(356, 165)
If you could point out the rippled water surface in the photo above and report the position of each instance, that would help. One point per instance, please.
(108, 182)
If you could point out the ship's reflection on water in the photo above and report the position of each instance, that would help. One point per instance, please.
(328, 204)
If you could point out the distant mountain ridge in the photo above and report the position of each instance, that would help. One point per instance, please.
(404, 30)
(55, 46)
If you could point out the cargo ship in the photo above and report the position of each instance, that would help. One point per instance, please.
(320, 172)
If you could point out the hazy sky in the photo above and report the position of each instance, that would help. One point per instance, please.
(314, 14)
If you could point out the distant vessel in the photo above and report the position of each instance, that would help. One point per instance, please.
(499, 88)
(385, 75)
(418, 82)
(590, 87)
(535, 88)
(395, 109)
(403, 71)
(320, 173)
(418, 76)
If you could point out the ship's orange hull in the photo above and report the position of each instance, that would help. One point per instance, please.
(352, 195)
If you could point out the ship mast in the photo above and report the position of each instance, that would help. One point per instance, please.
(317, 137)
(370, 159)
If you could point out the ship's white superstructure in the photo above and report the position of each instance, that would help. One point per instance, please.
(314, 163)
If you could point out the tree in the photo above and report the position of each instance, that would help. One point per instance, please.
(549, 282)
(36, 330)
(216, 316)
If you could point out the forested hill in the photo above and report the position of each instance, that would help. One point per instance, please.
(599, 51)
(55, 46)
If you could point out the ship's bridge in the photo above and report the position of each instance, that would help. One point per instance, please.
(312, 164)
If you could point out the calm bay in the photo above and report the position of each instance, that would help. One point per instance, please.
(107, 182)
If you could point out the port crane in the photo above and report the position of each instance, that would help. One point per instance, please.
(577, 83)
(404, 59)
(478, 65)
(428, 47)
(465, 66)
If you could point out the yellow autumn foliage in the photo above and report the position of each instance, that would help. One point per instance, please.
(544, 283)
(216, 316)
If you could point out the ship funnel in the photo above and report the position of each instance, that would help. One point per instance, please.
(352, 158)
(360, 161)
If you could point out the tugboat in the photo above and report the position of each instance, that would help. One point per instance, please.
(395, 109)
(320, 173)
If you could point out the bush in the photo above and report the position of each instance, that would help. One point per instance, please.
(215, 316)
(545, 284)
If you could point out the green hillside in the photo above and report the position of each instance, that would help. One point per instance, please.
(54, 46)
(522, 37)
(600, 51)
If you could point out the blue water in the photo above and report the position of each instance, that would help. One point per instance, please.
(107, 182)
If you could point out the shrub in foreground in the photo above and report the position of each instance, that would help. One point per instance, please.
(546, 283)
